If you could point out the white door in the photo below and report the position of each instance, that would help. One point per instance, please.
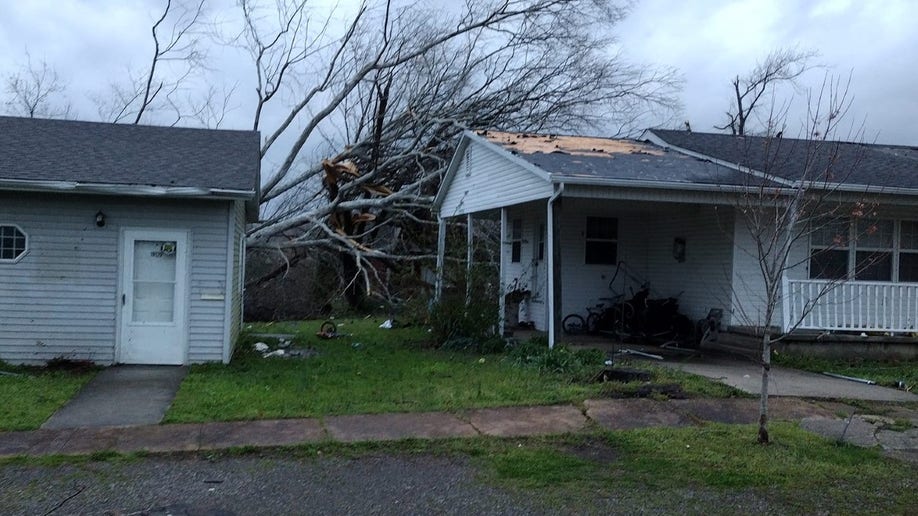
(154, 271)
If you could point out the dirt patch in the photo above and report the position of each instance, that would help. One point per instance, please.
(70, 366)
(672, 391)
(593, 450)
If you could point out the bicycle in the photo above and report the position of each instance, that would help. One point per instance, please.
(709, 328)
(611, 314)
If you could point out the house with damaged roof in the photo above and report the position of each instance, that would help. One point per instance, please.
(584, 219)
(122, 243)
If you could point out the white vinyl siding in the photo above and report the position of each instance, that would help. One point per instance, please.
(61, 299)
(645, 240)
(235, 298)
(486, 179)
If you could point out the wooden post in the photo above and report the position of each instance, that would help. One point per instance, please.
(469, 256)
(441, 257)
(502, 307)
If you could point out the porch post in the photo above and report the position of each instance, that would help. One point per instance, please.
(553, 217)
(441, 254)
(785, 303)
(502, 290)
(469, 255)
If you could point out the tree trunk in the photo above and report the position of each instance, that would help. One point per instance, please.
(353, 291)
(763, 398)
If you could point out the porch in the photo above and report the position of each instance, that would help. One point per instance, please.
(850, 306)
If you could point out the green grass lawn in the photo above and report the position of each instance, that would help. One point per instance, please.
(885, 373)
(799, 471)
(28, 399)
(375, 370)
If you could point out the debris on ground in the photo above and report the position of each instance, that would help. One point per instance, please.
(285, 348)
(850, 378)
(635, 352)
(621, 374)
(387, 325)
(329, 330)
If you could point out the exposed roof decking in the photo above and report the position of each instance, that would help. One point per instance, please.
(597, 159)
(41, 150)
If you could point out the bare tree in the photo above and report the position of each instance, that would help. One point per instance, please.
(36, 91)
(750, 91)
(393, 93)
(796, 196)
(360, 110)
(176, 56)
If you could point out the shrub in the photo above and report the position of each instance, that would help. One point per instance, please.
(455, 322)
(578, 365)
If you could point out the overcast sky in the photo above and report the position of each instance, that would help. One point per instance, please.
(90, 42)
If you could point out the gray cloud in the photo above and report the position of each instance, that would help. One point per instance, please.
(93, 42)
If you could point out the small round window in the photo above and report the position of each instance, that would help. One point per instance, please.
(13, 243)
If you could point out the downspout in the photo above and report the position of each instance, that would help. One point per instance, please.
(551, 263)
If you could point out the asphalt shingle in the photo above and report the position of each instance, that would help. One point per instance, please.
(855, 164)
(100, 153)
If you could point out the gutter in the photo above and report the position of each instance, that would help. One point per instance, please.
(124, 189)
(550, 273)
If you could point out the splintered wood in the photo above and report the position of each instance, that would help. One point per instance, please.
(574, 145)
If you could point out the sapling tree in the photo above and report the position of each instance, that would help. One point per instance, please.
(794, 195)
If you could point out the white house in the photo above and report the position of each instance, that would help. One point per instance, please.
(666, 207)
(122, 243)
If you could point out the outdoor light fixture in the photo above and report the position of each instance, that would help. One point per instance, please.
(100, 219)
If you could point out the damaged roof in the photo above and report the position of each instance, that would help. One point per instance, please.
(593, 158)
(40, 150)
(683, 157)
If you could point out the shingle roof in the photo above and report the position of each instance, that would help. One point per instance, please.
(577, 157)
(856, 164)
(100, 153)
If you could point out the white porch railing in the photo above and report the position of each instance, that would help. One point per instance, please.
(850, 305)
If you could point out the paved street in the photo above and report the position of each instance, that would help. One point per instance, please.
(375, 484)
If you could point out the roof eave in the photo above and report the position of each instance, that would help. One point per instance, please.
(75, 187)
(712, 187)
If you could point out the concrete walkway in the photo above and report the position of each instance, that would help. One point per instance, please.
(121, 396)
(746, 376)
(611, 414)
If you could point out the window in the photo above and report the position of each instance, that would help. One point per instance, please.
(13, 243)
(516, 241)
(601, 241)
(908, 251)
(829, 250)
(873, 255)
(866, 250)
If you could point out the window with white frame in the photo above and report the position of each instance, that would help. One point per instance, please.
(13, 243)
(829, 250)
(873, 250)
(865, 250)
(516, 240)
(908, 251)
(601, 241)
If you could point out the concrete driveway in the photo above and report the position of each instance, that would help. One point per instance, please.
(746, 375)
